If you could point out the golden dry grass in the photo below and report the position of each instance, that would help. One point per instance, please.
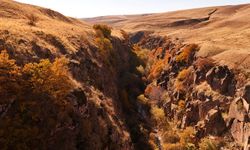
(16, 31)
(225, 37)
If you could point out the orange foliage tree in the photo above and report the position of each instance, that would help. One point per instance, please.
(187, 53)
(159, 66)
(184, 80)
(102, 40)
(34, 112)
(9, 77)
(47, 77)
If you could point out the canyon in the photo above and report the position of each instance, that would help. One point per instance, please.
(167, 81)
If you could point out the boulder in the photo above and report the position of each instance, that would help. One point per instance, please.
(239, 110)
(221, 79)
(241, 132)
(154, 93)
(190, 117)
(205, 107)
(246, 93)
(214, 123)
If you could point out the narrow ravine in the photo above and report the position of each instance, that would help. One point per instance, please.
(187, 98)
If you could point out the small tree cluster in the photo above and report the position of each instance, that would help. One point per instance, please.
(159, 66)
(210, 144)
(179, 139)
(102, 40)
(102, 30)
(104, 44)
(9, 77)
(159, 117)
(34, 108)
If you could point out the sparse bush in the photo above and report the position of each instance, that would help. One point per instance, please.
(180, 140)
(184, 80)
(187, 135)
(32, 19)
(152, 141)
(187, 53)
(176, 146)
(140, 69)
(210, 144)
(104, 44)
(102, 30)
(181, 104)
(171, 137)
(240, 105)
(148, 90)
(156, 70)
(158, 67)
(159, 117)
(142, 99)
(142, 54)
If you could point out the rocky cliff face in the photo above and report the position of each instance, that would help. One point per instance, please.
(96, 117)
(194, 92)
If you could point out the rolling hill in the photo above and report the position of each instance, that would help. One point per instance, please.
(220, 31)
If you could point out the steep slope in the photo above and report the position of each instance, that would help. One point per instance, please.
(35, 110)
(220, 31)
(193, 102)
(196, 96)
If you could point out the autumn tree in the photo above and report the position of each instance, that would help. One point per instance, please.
(52, 78)
(184, 80)
(102, 40)
(102, 30)
(9, 77)
(187, 53)
(34, 110)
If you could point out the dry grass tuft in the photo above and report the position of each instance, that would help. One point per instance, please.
(32, 20)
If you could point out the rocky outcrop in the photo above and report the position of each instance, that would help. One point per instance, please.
(239, 118)
(213, 124)
(239, 109)
(209, 103)
(246, 93)
(221, 79)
